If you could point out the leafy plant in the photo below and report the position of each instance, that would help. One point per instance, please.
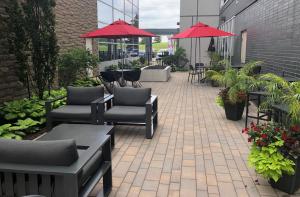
(39, 23)
(86, 82)
(27, 126)
(269, 162)
(219, 101)
(236, 83)
(179, 58)
(74, 65)
(7, 134)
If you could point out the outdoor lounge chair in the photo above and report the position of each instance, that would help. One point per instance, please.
(53, 168)
(81, 106)
(134, 106)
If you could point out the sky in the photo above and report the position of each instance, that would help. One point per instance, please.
(159, 13)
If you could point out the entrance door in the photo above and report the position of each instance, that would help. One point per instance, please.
(244, 47)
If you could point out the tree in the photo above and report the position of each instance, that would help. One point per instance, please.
(18, 41)
(40, 29)
(157, 39)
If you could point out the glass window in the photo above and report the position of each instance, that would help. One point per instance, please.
(109, 2)
(119, 4)
(128, 8)
(104, 13)
(135, 2)
(128, 19)
(118, 15)
(135, 11)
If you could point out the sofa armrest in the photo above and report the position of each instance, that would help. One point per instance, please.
(73, 169)
(152, 100)
(48, 103)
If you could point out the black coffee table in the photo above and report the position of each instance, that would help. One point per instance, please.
(83, 134)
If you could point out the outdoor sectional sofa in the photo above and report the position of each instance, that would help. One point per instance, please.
(56, 168)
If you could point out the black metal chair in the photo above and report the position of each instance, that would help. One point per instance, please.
(193, 73)
(133, 77)
(108, 80)
(81, 107)
(132, 106)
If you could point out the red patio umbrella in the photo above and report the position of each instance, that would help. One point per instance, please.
(201, 30)
(118, 29)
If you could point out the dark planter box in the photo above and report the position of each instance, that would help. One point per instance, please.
(289, 183)
(234, 111)
(214, 83)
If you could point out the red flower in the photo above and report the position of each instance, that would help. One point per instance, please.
(252, 124)
(277, 129)
(249, 139)
(256, 129)
(264, 136)
(295, 128)
(245, 130)
(284, 136)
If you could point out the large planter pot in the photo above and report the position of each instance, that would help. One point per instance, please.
(289, 183)
(155, 75)
(234, 111)
(214, 83)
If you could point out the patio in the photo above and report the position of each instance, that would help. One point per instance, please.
(194, 152)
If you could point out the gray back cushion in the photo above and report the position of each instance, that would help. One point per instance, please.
(53, 153)
(131, 96)
(83, 95)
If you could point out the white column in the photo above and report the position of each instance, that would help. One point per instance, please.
(89, 47)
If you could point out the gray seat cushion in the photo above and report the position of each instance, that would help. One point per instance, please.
(53, 153)
(131, 96)
(125, 114)
(81, 112)
(83, 95)
(90, 168)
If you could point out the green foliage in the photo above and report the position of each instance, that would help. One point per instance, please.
(39, 23)
(17, 39)
(219, 101)
(86, 82)
(74, 65)
(269, 162)
(7, 134)
(236, 82)
(27, 125)
(281, 91)
(179, 58)
(142, 60)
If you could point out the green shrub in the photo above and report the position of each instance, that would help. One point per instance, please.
(74, 64)
(86, 82)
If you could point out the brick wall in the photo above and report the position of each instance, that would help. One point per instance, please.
(73, 17)
(273, 28)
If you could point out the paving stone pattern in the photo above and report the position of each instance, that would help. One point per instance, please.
(195, 150)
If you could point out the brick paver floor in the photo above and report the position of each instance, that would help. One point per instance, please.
(195, 150)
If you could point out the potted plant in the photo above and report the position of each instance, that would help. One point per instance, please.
(275, 154)
(236, 85)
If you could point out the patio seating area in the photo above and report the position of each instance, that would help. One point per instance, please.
(195, 151)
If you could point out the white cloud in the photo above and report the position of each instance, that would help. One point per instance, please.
(159, 13)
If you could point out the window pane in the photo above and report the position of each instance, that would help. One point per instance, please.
(104, 13)
(128, 8)
(119, 4)
(118, 15)
(109, 2)
(136, 2)
(128, 19)
(135, 11)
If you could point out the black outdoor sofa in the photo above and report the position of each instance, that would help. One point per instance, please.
(131, 106)
(57, 168)
(81, 106)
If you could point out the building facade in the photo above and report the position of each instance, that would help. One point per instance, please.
(267, 30)
(191, 12)
(110, 11)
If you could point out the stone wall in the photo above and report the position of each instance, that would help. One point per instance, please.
(273, 28)
(73, 17)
